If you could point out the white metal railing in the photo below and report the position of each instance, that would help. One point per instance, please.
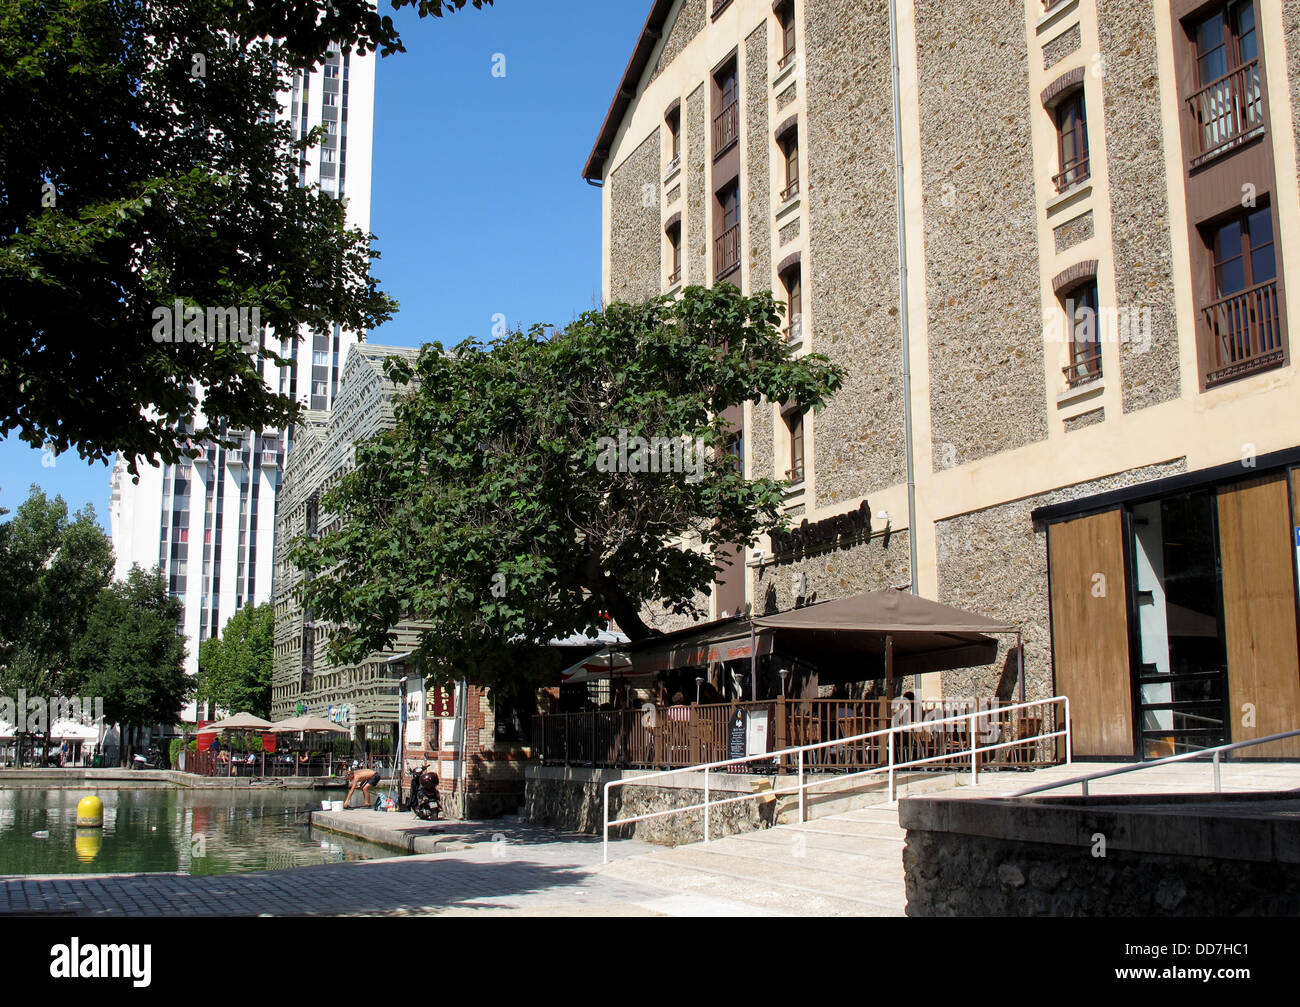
(802, 786)
(1217, 750)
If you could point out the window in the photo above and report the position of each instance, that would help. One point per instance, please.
(726, 247)
(790, 156)
(793, 281)
(1085, 337)
(735, 446)
(1072, 148)
(726, 121)
(1244, 323)
(785, 18)
(675, 253)
(1228, 106)
(793, 417)
(674, 121)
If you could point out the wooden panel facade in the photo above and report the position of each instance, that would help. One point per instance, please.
(1090, 639)
(1259, 608)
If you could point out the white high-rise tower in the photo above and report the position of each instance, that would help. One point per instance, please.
(210, 523)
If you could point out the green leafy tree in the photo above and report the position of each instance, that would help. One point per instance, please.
(500, 509)
(139, 166)
(132, 655)
(235, 667)
(52, 571)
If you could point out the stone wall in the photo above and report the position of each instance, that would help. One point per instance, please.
(635, 241)
(851, 276)
(981, 242)
(1291, 26)
(836, 573)
(994, 562)
(1061, 46)
(696, 253)
(1073, 232)
(1139, 198)
(1174, 855)
(573, 800)
(686, 25)
(757, 146)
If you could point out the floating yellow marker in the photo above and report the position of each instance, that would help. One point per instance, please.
(88, 843)
(90, 812)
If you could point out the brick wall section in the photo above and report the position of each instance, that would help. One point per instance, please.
(851, 275)
(994, 562)
(635, 241)
(1061, 46)
(695, 254)
(757, 147)
(985, 324)
(1139, 198)
(688, 23)
(1291, 25)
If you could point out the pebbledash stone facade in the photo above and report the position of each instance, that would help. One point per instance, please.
(998, 235)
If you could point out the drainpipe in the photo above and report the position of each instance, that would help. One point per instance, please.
(902, 301)
(462, 709)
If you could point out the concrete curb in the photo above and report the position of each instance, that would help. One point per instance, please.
(409, 835)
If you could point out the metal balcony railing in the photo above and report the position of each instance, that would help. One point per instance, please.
(786, 59)
(790, 191)
(1228, 112)
(1245, 333)
(1083, 369)
(726, 128)
(726, 252)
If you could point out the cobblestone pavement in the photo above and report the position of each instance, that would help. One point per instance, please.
(498, 869)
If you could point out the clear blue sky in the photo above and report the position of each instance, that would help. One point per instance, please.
(477, 198)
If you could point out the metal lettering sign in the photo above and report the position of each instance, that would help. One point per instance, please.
(442, 703)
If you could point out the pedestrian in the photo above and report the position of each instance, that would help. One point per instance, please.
(361, 777)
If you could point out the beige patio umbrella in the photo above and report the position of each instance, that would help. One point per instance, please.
(308, 723)
(244, 722)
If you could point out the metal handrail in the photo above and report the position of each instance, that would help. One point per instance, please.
(801, 787)
(1217, 750)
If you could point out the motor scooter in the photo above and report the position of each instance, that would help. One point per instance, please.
(423, 799)
(152, 760)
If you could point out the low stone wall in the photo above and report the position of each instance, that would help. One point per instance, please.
(572, 799)
(1168, 855)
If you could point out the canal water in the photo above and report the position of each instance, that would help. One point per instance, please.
(161, 828)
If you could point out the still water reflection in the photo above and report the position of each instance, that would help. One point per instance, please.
(163, 829)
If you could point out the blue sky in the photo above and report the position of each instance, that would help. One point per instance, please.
(477, 198)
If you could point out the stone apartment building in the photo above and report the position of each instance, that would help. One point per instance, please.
(1050, 241)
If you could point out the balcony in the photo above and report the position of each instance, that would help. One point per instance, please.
(790, 191)
(1245, 334)
(673, 165)
(786, 60)
(726, 252)
(675, 277)
(726, 128)
(1084, 369)
(1228, 112)
(794, 475)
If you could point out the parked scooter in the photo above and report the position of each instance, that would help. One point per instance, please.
(424, 800)
(153, 760)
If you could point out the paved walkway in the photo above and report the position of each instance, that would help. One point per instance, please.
(844, 864)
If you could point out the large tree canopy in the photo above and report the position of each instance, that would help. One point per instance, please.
(131, 655)
(511, 501)
(235, 667)
(139, 165)
(52, 571)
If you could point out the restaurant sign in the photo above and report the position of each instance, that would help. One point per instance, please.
(827, 533)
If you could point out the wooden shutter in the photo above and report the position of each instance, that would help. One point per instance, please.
(1090, 647)
(1259, 611)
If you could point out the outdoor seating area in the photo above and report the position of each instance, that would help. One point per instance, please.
(689, 735)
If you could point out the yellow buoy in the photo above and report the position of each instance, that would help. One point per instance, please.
(90, 812)
(88, 843)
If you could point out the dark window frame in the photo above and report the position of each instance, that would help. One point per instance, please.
(1072, 150)
(1084, 354)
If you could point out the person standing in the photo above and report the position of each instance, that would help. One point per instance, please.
(364, 778)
